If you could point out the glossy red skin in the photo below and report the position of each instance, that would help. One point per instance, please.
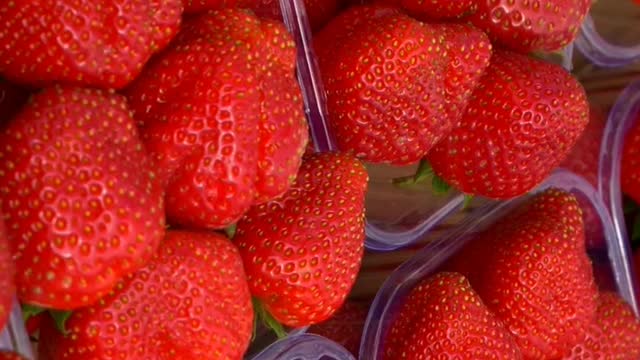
(469, 52)
(345, 327)
(6, 355)
(429, 10)
(99, 43)
(517, 128)
(198, 6)
(630, 167)
(385, 87)
(7, 273)
(234, 131)
(614, 334)
(531, 269)
(443, 317)
(527, 26)
(82, 206)
(302, 251)
(191, 301)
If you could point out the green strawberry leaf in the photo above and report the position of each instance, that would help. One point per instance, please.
(230, 231)
(261, 314)
(439, 186)
(423, 173)
(468, 199)
(60, 317)
(29, 311)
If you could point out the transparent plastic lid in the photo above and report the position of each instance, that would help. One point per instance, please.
(609, 35)
(14, 336)
(396, 217)
(304, 347)
(611, 263)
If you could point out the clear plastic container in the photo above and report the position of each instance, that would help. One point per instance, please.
(304, 347)
(396, 217)
(608, 37)
(14, 336)
(611, 264)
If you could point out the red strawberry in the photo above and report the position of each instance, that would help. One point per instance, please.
(82, 206)
(436, 9)
(528, 26)
(234, 131)
(191, 301)
(630, 167)
(384, 78)
(101, 43)
(197, 6)
(12, 98)
(8, 355)
(518, 126)
(7, 273)
(614, 334)
(469, 52)
(345, 327)
(302, 251)
(442, 318)
(585, 155)
(532, 271)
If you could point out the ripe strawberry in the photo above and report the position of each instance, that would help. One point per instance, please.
(191, 301)
(12, 98)
(102, 43)
(9, 355)
(384, 78)
(527, 26)
(436, 9)
(345, 327)
(234, 131)
(82, 206)
(197, 6)
(443, 317)
(518, 126)
(614, 334)
(7, 273)
(302, 251)
(630, 167)
(585, 155)
(532, 271)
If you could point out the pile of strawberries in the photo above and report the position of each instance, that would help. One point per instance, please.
(157, 197)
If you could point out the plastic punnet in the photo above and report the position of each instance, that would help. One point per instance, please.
(14, 336)
(608, 37)
(610, 264)
(304, 347)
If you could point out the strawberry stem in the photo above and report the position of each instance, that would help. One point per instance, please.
(261, 314)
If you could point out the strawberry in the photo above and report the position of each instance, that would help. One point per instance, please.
(630, 166)
(234, 131)
(442, 317)
(527, 26)
(12, 97)
(103, 43)
(614, 334)
(532, 270)
(197, 6)
(302, 251)
(436, 9)
(319, 12)
(7, 273)
(9, 355)
(384, 79)
(584, 158)
(191, 300)
(518, 127)
(82, 206)
(345, 327)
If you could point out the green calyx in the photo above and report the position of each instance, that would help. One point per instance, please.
(60, 317)
(422, 175)
(262, 315)
(230, 231)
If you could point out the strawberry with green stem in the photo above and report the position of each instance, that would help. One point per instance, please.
(98, 43)
(191, 300)
(82, 205)
(302, 251)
